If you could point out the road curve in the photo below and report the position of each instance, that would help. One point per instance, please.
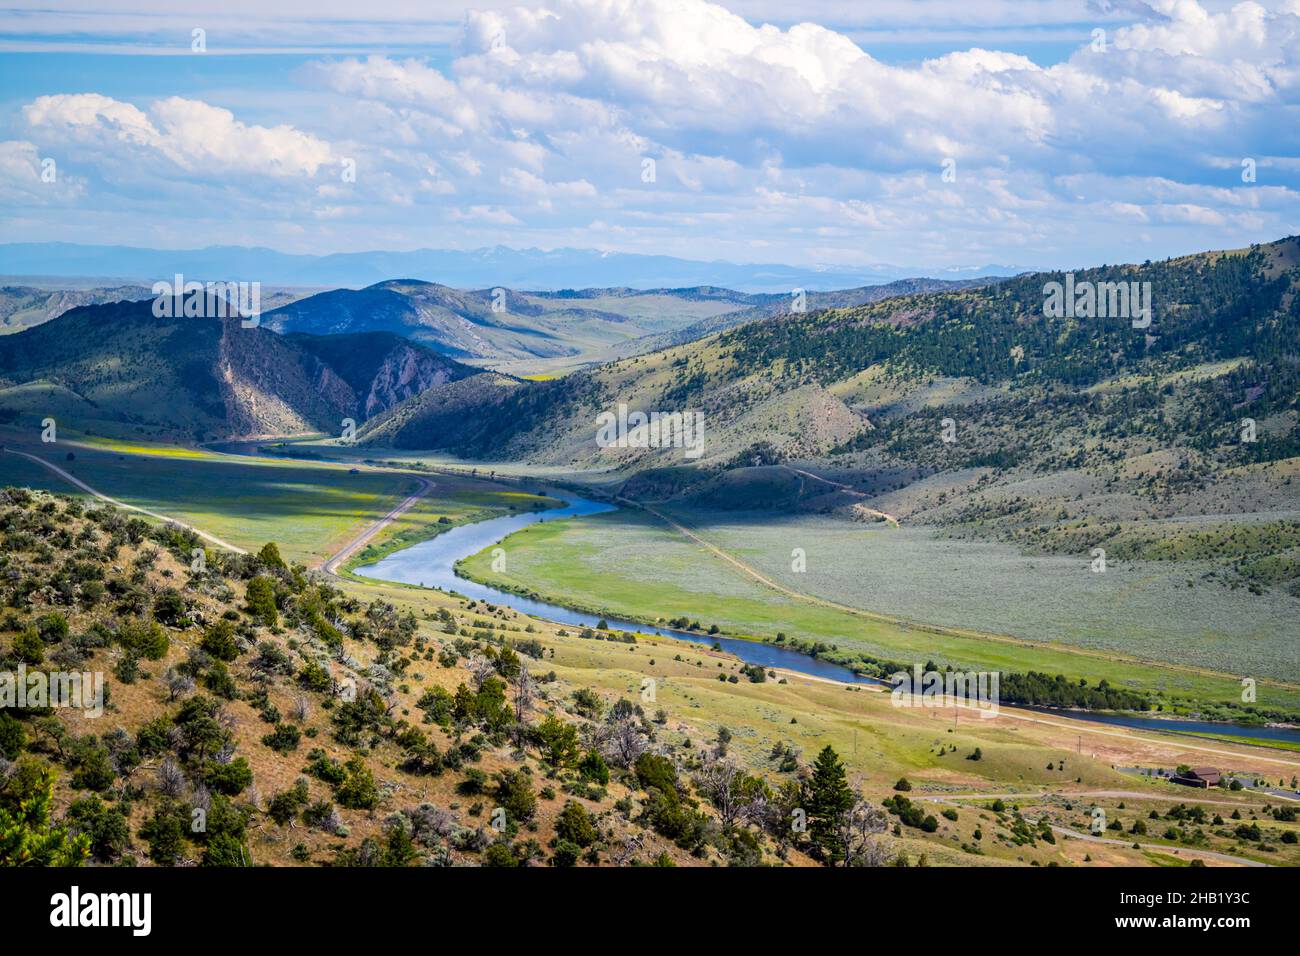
(74, 480)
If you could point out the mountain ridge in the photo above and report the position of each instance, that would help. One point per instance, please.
(118, 366)
(487, 267)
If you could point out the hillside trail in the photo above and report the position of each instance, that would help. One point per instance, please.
(74, 480)
(882, 515)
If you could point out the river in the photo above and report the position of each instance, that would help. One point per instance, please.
(432, 564)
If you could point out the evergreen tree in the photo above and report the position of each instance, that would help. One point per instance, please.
(269, 556)
(829, 798)
(27, 836)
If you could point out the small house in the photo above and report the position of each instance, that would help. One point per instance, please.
(1203, 777)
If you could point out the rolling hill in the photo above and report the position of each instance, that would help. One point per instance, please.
(774, 305)
(970, 410)
(498, 324)
(23, 306)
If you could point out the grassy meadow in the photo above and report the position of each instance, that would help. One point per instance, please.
(309, 510)
(634, 565)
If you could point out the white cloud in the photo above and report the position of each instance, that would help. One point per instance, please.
(791, 138)
(189, 134)
(29, 178)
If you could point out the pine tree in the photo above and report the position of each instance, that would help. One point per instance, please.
(269, 556)
(28, 837)
(829, 798)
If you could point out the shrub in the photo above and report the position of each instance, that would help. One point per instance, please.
(228, 778)
(260, 597)
(12, 737)
(574, 824)
(593, 768)
(514, 793)
(358, 790)
(219, 641)
(654, 771)
(500, 854)
(28, 647)
(475, 783)
(566, 854)
(93, 765)
(283, 739)
(165, 833)
(169, 607)
(106, 827)
(557, 740)
(145, 638)
(587, 703)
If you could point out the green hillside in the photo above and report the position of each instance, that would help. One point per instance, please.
(969, 410)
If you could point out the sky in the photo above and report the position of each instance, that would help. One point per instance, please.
(921, 133)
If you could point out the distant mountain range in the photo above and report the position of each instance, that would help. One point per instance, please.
(502, 324)
(479, 268)
(500, 327)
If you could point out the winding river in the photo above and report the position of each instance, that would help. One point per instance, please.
(432, 564)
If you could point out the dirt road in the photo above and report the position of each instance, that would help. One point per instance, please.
(74, 480)
(882, 515)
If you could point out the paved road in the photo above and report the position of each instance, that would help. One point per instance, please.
(356, 544)
(73, 479)
(1247, 782)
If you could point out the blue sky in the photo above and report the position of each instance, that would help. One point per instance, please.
(922, 133)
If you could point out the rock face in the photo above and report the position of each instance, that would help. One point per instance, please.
(209, 378)
(403, 373)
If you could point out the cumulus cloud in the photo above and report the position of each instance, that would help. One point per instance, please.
(189, 134)
(29, 178)
(695, 128)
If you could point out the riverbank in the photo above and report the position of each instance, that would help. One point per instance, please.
(442, 563)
